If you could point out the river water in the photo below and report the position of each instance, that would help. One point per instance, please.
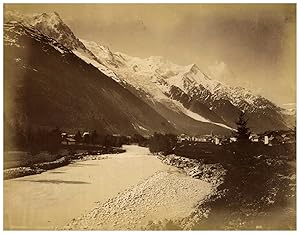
(52, 199)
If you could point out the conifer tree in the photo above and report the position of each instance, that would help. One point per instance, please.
(243, 132)
(78, 137)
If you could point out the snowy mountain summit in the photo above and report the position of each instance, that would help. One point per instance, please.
(184, 87)
(51, 25)
(155, 70)
(184, 95)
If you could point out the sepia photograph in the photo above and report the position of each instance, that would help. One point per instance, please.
(144, 116)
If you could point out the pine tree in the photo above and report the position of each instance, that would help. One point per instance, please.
(94, 137)
(52, 139)
(78, 137)
(243, 132)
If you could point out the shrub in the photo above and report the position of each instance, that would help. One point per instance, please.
(162, 143)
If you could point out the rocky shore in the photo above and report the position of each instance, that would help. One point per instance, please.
(168, 194)
(211, 173)
(177, 196)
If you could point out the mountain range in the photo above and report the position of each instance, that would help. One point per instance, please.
(53, 78)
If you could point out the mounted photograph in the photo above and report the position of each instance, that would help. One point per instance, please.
(149, 116)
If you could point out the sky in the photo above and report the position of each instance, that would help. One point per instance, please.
(249, 45)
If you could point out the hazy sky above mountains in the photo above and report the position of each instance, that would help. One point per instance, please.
(247, 45)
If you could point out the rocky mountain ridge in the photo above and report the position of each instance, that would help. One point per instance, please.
(189, 99)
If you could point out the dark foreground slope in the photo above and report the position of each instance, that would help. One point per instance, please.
(46, 85)
(254, 186)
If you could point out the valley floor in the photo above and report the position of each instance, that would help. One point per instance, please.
(124, 191)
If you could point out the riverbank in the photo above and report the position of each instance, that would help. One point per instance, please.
(124, 191)
(213, 174)
(167, 200)
(52, 199)
(32, 168)
(166, 195)
(238, 201)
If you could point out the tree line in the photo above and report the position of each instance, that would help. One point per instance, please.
(35, 140)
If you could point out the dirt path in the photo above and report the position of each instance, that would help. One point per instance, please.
(124, 191)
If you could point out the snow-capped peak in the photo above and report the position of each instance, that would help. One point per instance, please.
(49, 19)
(49, 24)
(155, 75)
(155, 78)
(193, 68)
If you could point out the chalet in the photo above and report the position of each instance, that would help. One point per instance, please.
(266, 140)
(202, 139)
(193, 138)
(183, 137)
(64, 135)
(209, 138)
(232, 139)
(289, 137)
(205, 139)
(254, 138)
(68, 141)
(217, 141)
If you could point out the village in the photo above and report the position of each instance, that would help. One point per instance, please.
(268, 138)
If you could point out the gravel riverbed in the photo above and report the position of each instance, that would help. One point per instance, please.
(128, 191)
(165, 195)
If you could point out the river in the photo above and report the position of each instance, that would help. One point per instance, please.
(53, 199)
